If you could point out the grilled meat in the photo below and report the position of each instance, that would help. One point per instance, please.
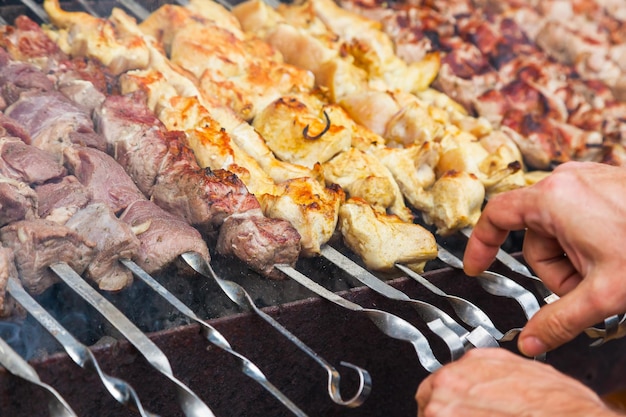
(7, 270)
(26, 162)
(39, 243)
(113, 240)
(369, 233)
(163, 236)
(17, 201)
(61, 199)
(54, 122)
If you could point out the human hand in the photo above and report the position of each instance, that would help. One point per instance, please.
(493, 382)
(575, 241)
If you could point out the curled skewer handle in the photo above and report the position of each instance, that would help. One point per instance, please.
(214, 336)
(391, 325)
(190, 403)
(79, 353)
(15, 364)
(240, 297)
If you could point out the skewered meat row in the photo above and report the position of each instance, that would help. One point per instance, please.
(200, 196)
(300, 188)
(493, 68)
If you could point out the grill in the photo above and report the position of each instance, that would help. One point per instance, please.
(333, 333)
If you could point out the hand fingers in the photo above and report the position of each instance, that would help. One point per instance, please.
(561, 321)
(546, 257)
(502, 213)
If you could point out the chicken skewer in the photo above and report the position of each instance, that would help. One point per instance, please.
(391, 325)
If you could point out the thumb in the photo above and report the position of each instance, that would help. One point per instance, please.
(559, 322)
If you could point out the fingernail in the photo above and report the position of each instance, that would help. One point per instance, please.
(532, 346)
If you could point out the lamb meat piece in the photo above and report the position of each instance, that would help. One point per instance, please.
(17, 201)
(114, 240)
(103, 177)
(54, 122)
(201, 196)
(163, 236)
(19, 77)
(39, 243)
(7, 270)
(134, 136)
(253, 237)
(27, 163)
(61, 199)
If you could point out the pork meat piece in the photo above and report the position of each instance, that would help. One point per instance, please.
(114, 240)
(17, 201)
(103, 177)
(7, 270)
(40, 243)
(27, 163)
(54, 122)
(261, 241)
(61, 199)
(134, 136)
(163, 236)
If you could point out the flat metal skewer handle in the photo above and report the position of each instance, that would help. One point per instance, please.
(190, 403)
(391, 325)
(468, 312)
(214, 336)
(497, 284)
(453, 334)
(240, 297)
(79, 353)
(15, 364)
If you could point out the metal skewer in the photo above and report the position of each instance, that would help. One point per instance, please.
(614, 326)
(453, 334)
(391, 325)
(79, 353)
(190, 403)
(15, 364)
(213, 336)
(496, 284)
(240, 297)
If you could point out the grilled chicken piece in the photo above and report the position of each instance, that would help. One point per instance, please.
(413, 169)
(368, 233)
(301, 129)
(245, 74)
(114, 240)
(39, 243)
(77, 32)
(310, 207)
(362, 175)
(17, 201)
(457, 201)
